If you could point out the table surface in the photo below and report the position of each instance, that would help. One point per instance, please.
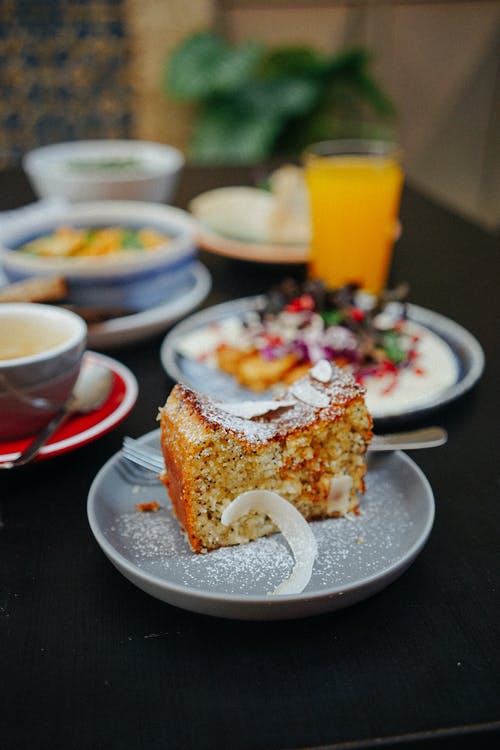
(90, 661)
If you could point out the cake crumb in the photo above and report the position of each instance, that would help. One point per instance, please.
(151, 507)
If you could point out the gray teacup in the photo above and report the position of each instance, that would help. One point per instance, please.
(41, 350)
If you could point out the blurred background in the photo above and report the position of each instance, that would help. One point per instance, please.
(97, 68)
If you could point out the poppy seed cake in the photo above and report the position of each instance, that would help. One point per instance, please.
(309, 446)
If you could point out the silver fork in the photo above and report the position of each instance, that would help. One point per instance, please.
(146, 463)
(138, 453)
(140, 464)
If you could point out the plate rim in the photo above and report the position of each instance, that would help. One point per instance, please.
(459, 332)
(241, 249)
(91, 433)
(141, 324)
(436, 322)
(274, 605)
(257, 252)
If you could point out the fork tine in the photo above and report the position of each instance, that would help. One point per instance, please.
(143, 461)
(136, 474)
(140, 448)
(146, 457)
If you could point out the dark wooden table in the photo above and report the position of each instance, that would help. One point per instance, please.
(88, 661)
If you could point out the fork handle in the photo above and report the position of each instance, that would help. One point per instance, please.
(427, 437)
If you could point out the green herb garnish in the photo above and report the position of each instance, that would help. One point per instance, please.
(332, 317)
(392, 347)
(89, 166)
(131, 241)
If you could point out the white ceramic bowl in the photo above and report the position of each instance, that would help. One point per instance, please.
(129, 280)
(41, 350)
(105, 170)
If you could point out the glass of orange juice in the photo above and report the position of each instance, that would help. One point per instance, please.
(354, 190)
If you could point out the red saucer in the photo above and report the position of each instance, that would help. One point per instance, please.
(80, 429)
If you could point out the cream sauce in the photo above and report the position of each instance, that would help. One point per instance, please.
(437, 369)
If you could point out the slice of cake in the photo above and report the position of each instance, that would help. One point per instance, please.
(308, 446)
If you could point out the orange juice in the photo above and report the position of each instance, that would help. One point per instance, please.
(354, 201)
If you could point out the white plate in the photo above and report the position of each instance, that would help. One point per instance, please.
(259, 252)
(357, 556)
(458, 349)
(142, 325)
(237, 222)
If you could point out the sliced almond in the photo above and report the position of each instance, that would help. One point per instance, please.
(339, 495)
(322, 371)
(305, 391)
(249, 409)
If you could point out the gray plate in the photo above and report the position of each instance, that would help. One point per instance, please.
(357, 556)
(201, 377)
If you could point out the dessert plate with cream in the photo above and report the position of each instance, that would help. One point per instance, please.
(450, 361)
(357, 555)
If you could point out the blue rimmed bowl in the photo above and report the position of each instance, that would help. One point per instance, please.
(129, 280)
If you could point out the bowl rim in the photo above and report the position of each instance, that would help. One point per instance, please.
(168, 160)
(88, 213)
(38, 309)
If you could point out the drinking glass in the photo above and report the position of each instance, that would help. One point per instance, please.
(354, 189)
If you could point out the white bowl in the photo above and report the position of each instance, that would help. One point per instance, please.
(129, 281)
(41, 350)
(105, 170)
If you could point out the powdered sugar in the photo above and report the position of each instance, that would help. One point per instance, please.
(251, 409)
(304, 403)
(151, 536)
(350, 549)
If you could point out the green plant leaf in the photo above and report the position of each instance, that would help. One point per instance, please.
(204, 66)
(349, 77)
(371, 92)
(284, 96)
(349, 62)
(256, 102)
(294, 60)
(221, 136)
